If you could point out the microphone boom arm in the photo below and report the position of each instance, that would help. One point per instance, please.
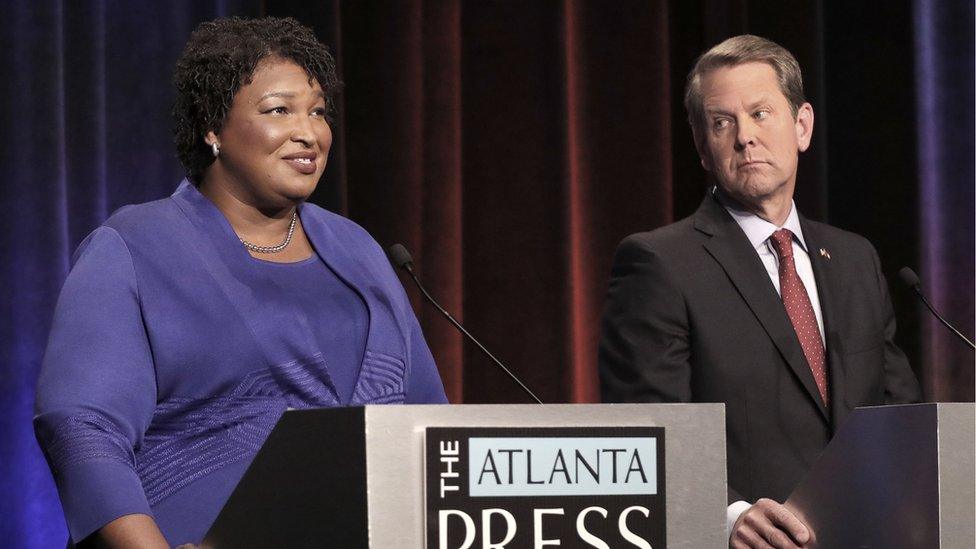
(401, 258)
(942, 320)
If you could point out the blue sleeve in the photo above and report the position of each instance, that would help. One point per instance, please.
(424, 384)
(97, 388)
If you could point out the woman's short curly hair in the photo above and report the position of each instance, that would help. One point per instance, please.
(219, 58)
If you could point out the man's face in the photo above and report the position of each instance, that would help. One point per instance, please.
(750, 140)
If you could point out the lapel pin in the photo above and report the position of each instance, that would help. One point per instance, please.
(824, 253)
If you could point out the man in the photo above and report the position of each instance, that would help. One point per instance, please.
(785, 320)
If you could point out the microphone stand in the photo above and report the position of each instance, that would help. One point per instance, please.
(402, 259)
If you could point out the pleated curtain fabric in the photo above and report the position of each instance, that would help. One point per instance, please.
(509, 145)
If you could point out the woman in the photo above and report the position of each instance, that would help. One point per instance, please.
(188, 325)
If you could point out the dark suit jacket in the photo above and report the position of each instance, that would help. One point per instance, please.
(692, 316)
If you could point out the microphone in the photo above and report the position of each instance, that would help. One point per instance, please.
(910, 279)
(401, 258)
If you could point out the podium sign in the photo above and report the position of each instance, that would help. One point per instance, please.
(589, 475)
(529, 487)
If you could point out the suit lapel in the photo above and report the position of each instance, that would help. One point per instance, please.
(830, 291)
(729, 246)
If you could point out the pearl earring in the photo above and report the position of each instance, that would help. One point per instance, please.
(215, 147)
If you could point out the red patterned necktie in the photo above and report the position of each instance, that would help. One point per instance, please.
(798, 307)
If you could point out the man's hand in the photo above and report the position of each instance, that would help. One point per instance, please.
(768, 524)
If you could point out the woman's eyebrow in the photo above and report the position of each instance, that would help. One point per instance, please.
(287, 95)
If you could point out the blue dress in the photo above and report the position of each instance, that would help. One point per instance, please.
(173, 352)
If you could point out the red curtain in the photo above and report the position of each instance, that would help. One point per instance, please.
(501, 146)
(510, 145)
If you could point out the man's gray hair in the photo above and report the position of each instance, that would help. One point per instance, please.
(738, 50)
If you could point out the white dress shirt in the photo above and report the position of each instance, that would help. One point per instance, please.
(758, 231)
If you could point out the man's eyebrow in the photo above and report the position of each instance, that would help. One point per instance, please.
(761, 102)
(716, 110)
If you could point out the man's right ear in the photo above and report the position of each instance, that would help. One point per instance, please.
(702, 152)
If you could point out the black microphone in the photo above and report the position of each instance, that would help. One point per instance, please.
(401, 258)
(910, 279)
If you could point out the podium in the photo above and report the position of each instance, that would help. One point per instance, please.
(894, 477)
(471, 476)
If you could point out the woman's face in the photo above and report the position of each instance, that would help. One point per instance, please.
(275, 140)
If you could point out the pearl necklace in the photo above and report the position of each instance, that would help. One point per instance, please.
(274, 249)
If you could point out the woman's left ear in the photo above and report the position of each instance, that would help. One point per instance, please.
(804, 126)
(211, 139)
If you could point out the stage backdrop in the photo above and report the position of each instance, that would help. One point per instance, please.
(510, 146)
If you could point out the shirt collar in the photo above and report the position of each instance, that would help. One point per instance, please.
(757, 229)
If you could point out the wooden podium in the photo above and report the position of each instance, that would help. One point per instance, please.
(471, 476)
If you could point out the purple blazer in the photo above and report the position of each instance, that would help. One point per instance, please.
(164, 373)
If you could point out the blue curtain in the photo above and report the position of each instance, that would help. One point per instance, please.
(944, 85)
(85, 127)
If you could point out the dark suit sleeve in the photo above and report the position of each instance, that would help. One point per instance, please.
(644, 348)
(900, 384)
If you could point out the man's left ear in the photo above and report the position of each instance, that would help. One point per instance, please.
(804, 126)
